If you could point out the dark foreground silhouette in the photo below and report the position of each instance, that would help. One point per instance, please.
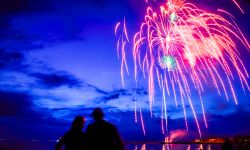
(74, 139)
(227, 145)
(102, 135)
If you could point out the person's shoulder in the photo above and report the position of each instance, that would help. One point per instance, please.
(90, 126)
(110, 125)
(68, 133)
(65, 137)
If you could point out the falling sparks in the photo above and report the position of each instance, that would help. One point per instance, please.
(184, 49)
(236, 3)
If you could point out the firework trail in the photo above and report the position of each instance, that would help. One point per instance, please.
(236, 3)
(184, 49)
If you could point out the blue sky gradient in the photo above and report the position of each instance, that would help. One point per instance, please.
(58, 59)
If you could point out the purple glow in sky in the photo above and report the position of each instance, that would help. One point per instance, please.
(58, 59)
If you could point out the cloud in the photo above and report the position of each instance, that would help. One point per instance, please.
(12, 6)
(63, 101)
(15, 104)
(131, 130)
(232, 124)
(56, 79)
(84, 110)
(100, 3)
(98, 90)
(117, 93)
(21, 30)
(59, 21)
(11, 60)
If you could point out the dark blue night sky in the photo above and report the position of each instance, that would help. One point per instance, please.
(58, 59)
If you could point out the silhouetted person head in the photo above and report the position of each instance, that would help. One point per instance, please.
(78, 123)
(97, 114)
(75, 138)
(102, 135)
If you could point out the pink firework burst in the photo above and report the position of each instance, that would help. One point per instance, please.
(183, 48)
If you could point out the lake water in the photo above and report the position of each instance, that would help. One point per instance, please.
(174, 147)
(50, 146)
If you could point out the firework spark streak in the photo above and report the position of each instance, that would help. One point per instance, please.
(236, 3)
(184, 49)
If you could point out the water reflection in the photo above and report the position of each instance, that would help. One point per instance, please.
(209, 147)
(136, 147)
(143, 147)
(175, 147)
(200, 147)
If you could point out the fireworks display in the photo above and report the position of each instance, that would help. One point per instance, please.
(184, 49)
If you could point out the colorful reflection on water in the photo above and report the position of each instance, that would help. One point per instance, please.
(174, 147)
(50, 145)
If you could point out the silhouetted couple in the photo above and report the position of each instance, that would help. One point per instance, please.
(99, 135)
